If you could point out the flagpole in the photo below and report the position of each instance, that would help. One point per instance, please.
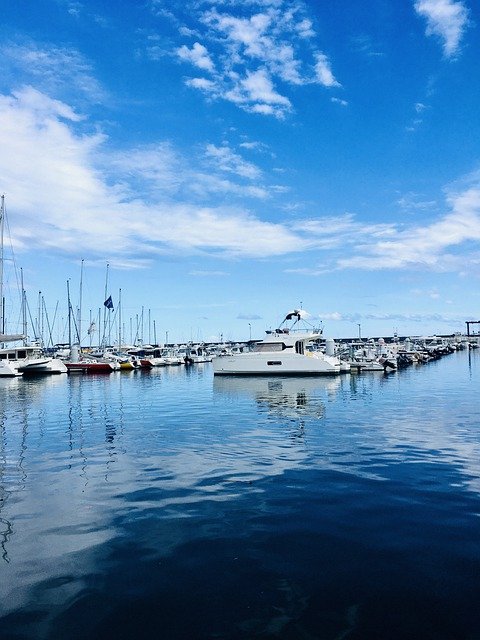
(105, 308)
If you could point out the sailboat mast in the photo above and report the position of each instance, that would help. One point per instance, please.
(119, 319)
(79, 321)
(69, 316)
(23, 308)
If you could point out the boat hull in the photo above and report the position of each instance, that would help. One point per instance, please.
(48, 366)
(89, 367)
(8, 369)
(275, 364)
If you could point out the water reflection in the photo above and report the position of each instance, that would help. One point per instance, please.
(133, 497)
(5, 525)
(290, 398)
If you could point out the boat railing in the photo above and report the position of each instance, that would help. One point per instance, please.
(296, 331)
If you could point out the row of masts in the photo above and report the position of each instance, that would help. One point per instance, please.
(110, 329)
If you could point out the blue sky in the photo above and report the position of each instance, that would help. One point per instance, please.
(231, 160)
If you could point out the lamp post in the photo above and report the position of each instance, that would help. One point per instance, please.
(359, 331)
(250, 328)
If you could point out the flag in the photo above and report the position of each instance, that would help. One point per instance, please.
(108, 303)
(92, 328)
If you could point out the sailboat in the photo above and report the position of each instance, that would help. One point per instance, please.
(7, 361)
(88, 363)
(25, 359)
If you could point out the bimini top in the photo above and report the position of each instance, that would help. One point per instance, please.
(296, 322)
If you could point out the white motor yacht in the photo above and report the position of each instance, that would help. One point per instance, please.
(282, 352)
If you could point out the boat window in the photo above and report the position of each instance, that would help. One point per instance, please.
(270, 346)
(21, 354)
(274, 362)
(299, 347)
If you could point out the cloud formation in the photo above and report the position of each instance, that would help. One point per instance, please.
(251, 52)
(447, 19)
(71, 195)
(61, 71)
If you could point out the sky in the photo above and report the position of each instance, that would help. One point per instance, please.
(214, 164)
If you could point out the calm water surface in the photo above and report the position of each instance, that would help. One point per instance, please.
(173, 505)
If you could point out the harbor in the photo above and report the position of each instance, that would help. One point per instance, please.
(239, 320)
(352, 356)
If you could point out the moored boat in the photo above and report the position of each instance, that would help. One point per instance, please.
(29, 360)
(89, 366)
(282, 352)
(9, 369)
(80, 364)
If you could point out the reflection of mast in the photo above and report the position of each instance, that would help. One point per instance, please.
(6, 526)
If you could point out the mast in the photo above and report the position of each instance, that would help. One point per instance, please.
(79, 321)
(24, 308)
(119, 319)
(69, 316)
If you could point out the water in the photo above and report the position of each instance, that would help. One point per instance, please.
(173, 505)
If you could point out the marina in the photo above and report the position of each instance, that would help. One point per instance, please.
(239, 329)
(169, 501)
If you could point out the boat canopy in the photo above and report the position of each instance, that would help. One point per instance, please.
(11, 338)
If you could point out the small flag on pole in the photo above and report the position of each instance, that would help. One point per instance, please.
(92, 328)
(108, 303)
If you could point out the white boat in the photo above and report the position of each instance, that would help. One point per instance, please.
(172, 357)
(20, 360)
(283, 352)
(196, 354)
(29, 360)
(8, 369)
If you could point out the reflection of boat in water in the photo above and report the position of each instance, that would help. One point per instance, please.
(289, 397)
(283, 352)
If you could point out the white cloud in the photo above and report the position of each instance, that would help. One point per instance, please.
(256, 54)
(197, 55)
(431, 246)
(209, 86)
(447, 19)
(51, 69)
(305, 28)
(412, 202)
(158, 170)
(259, 89)
(342, 231)
(256, 93)
(324, 72)
(419, 107)
(231, 162)
(254, 146)
(63, 195)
